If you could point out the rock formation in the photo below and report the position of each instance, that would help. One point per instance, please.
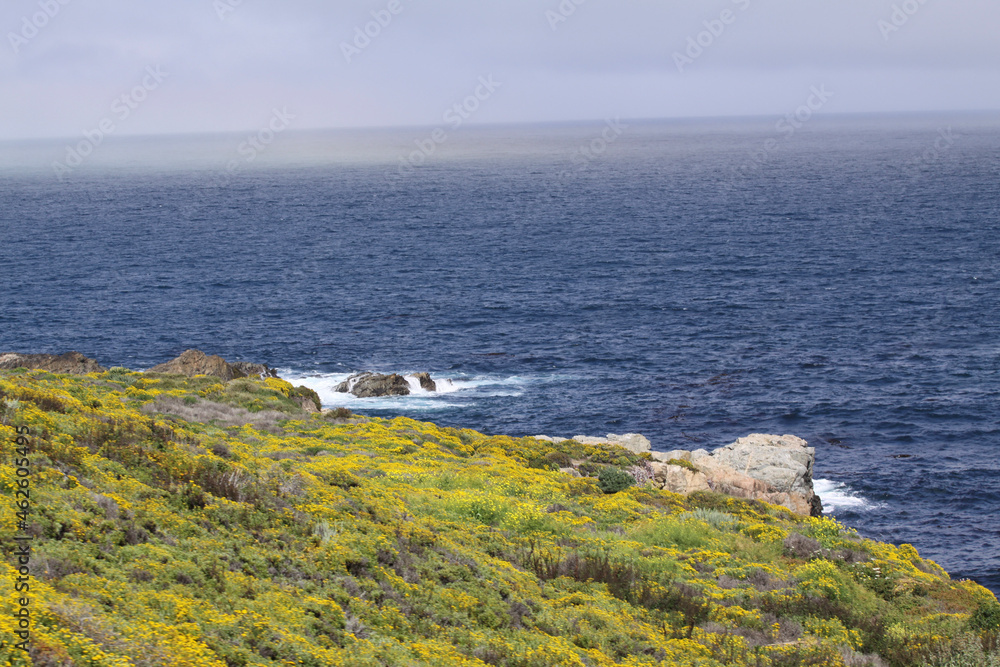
(370, 385)
(72, 363)
(775, 469)
(426, 383)
(248, 369)
(196, 362)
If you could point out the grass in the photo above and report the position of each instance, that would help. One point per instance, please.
(193, 523)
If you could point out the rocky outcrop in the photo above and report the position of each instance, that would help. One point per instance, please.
(196, 362)
(371, 385)
(426, 383)
(307, 404)
(771, 468)
(633, 442)
(374, 385)
(71, 363)
(783, 462)
(251, 370)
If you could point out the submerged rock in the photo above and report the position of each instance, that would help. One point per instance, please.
(371, 385)
(71, 363)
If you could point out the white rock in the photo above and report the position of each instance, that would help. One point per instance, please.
(635, 443)
(677, 454)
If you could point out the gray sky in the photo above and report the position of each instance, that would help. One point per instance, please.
(226, 65)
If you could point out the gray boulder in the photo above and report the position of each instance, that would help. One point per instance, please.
(772, 468)
(426, 383)
(784, 463)
(372, 385)
(633, 442)
(251, 370)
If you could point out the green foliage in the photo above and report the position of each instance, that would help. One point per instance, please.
(986, 616)
(194, 523)
(613, 480)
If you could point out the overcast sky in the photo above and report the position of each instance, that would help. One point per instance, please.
(226, 65)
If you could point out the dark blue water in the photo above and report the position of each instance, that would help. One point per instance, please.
(843, 287)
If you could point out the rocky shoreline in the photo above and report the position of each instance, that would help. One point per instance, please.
(774, 469)
(770, 468)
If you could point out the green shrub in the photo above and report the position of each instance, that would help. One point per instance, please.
(560, 459)
(540, 463)
(338, 413)
(714, 518)
(986, 617)
(613, 480)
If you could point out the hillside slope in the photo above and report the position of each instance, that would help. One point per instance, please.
(185, 522)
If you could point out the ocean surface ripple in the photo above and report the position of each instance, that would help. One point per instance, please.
(830, 292)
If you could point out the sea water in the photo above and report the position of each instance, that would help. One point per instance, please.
(694, 281)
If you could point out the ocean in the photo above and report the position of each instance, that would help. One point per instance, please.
(693, 281)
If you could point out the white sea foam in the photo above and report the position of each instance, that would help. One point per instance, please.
(325, 385)
(839, 497)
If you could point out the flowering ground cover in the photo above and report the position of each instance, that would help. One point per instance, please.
(187, 523)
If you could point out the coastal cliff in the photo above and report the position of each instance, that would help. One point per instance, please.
(197, 521)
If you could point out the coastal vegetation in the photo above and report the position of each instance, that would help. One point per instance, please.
(192, 522)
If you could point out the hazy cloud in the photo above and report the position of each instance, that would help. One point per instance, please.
(64, 62)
